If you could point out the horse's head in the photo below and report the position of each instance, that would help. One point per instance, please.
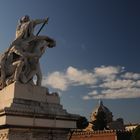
(51, 44)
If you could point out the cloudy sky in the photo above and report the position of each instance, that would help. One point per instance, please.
(97, 53)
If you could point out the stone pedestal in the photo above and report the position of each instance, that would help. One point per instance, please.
(33, 134)
(30, 112)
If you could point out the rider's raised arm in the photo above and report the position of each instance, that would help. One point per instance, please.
(39, 21)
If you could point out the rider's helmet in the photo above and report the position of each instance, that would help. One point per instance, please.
(25, 18)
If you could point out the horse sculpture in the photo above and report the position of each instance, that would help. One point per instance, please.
(21, 63)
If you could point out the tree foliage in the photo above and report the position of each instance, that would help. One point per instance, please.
(100, 123)
(82, 123)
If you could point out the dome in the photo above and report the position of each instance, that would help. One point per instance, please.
(101, 108)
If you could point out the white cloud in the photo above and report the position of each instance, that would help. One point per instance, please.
(80, 77)
(72, 77)
(107, 82)
(116, 84)
(106, 71)
(86, 97)
(119, 94)
(56, 80)
(93, 93)
(130, 75)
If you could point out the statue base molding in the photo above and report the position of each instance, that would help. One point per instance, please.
(31, 112)
(33, 134)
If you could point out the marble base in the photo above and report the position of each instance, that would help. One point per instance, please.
(26, 92)
(28, 107)
(33, 134)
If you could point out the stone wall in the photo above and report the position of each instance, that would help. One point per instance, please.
(101, 135)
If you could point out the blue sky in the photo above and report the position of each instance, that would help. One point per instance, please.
(97, 52)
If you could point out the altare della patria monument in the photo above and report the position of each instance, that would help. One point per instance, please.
(27, 110)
